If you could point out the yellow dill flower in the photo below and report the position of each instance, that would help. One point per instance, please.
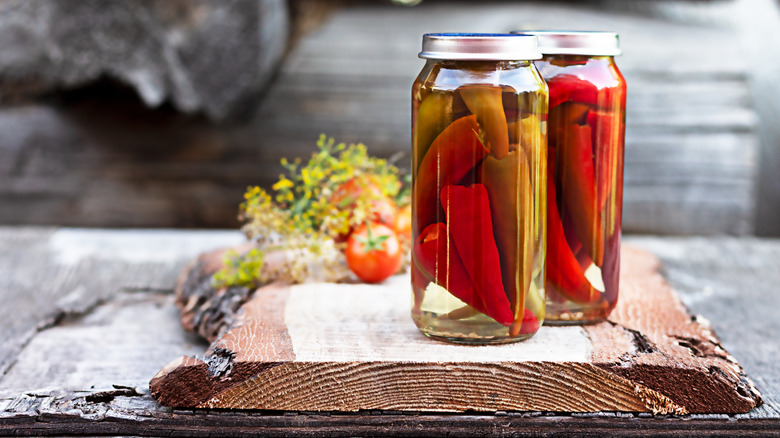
(305, 177)
(283, 183)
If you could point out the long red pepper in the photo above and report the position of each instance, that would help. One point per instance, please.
(570, 88)
(606, 129)
(563, 270)
(435, 255)
(568, 113)
(468, 220)
(454, 153)
(579, 188)
(508, 186)
(611, 270)
(529, 324)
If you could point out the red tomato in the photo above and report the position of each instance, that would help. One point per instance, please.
(373, 252)
(403, 223)
(383, 208)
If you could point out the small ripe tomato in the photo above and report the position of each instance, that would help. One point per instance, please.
(403, 223)
(373, 252)
(383, 208)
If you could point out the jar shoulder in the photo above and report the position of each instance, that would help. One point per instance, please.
(449, 76)
(600, 71)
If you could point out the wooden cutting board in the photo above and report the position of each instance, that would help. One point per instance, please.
(349, 347)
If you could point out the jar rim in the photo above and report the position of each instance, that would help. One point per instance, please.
(589, 43)
(479, 47)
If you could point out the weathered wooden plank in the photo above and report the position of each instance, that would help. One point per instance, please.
(718, 149)
(756, 25)
(330, 347)
(732, 282)
(115, 420)
(712, 174)
(665, 217)
(49, 274)
(664, 92)
(729, 280)
(113, 341)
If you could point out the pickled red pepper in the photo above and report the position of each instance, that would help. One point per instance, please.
(611, 266)
(605, 130)
(453, 154)
(511, 212)
(563, 269)
(578, 178)
(529, 324)
(435, 251)
(570, 88)
(499, 282)
(471, 227)
(485, 103)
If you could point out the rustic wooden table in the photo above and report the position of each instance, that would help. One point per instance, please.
(87, 319)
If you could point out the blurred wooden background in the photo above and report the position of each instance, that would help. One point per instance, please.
(176, 144)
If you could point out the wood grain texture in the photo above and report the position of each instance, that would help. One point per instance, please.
(125, 340)
(733, 283)
(664, 336)
(328, 347)
(50, 274)
(66, 414)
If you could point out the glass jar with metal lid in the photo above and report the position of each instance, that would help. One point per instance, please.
(479, 110)
(585, 168)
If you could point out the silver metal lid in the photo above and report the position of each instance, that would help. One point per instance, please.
(479, 47)
(575, 43)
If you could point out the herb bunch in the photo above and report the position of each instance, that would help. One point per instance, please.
(305, 216)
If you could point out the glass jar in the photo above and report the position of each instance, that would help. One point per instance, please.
(585, 193)
(479, 110)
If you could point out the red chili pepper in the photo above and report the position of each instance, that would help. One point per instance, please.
(570, 88)
(563, 217)
(454, 153)
(568, 113)
(579, 188)
(562, 268)
(606, 134)
(436, 257)
(528, 325)
(508, 186)
(470, 225)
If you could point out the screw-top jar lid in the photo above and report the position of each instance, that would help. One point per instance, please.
(575, 43)
(479, 47)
